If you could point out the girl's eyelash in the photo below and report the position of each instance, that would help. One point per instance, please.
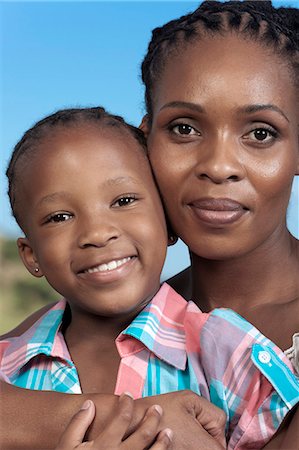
(58, 217)
(125, 200)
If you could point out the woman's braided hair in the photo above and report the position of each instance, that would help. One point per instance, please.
(66, 118)
(259, 20)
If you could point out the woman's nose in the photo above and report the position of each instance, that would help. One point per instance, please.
(97, 232)
(220, 162)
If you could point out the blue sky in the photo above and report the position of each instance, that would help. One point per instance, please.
(61, 54)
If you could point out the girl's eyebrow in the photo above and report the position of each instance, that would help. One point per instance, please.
(120, 180)
(66, 195)
(249, 109)
(53, 197)
(179, 104)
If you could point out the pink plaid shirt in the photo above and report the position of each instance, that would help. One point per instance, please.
(171, 345)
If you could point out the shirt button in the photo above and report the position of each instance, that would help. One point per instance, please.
(264, 357)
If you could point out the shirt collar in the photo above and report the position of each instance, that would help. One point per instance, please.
(160, 328)
(44, 337)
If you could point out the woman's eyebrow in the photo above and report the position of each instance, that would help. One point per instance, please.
(188, 105)
(249, 109)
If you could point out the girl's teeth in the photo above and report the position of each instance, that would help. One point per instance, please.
(109, 266)
(112, 265)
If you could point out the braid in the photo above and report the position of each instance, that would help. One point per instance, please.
(47, 126)
(257, 19)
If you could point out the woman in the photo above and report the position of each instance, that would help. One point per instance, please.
(222, 128)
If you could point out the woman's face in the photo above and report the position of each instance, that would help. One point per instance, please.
(223, 144)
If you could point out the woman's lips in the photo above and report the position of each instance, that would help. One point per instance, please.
(220, 211)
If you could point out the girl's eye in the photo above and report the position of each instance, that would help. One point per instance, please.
(60, 217)
(262, 135)
(183, 129)
(124, 201)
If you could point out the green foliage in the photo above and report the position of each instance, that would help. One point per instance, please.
(21, 293)
(9, 251)
(32, 291)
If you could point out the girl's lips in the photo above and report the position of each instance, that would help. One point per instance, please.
(219, 211)
(109, 272)
(111, 265)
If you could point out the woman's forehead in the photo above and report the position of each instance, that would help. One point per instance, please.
(243, 68)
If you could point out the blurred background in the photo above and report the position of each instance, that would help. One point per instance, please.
(55, 55)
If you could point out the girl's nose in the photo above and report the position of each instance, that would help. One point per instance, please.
(97, 232)
(220, 162)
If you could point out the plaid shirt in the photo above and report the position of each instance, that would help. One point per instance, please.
(171, 345)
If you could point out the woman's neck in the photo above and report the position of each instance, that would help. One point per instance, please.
(264, 276)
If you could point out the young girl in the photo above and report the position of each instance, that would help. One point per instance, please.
(222, 130)
(82, 190)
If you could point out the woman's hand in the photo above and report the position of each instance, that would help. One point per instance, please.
(146, 435)
(197, 423)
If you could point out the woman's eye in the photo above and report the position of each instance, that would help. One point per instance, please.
(60, 217)
(183, 129)
(124, 201)
(262, 135)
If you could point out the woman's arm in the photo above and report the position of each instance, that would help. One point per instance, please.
(35, 419)
(32, 420)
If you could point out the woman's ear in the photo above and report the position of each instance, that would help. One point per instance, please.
(144, 126)
(28, 257)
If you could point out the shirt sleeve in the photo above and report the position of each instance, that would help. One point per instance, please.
(3, 377)
(249, 378)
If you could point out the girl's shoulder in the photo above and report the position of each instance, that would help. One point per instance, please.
(27, 323)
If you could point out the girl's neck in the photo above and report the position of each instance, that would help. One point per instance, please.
(264, 276)
(93, 331)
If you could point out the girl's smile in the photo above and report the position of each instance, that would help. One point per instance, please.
(112, 271)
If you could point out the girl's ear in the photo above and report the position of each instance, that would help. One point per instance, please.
(144, 126)
(172, 239)
(28, 257)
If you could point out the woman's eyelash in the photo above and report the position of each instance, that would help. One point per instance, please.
(183, 129)
(263, 134)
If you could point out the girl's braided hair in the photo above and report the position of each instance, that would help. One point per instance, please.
(65, 118)
(259, 20)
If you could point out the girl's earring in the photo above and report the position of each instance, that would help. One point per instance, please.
(36, 269)
(172, 239)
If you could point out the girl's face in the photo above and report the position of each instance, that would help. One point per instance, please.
(95, 222)
(224, 144)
